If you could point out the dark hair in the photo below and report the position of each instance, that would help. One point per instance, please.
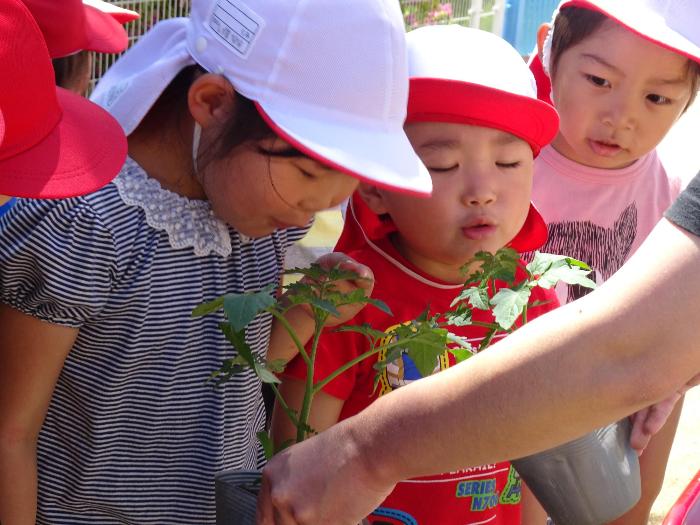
(574, 24)
(67, 70)
(171, 110)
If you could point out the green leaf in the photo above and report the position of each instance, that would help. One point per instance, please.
(460, 354)
(364, 329)
(567, 274)
(324, 306)
(508, 305)
(425, 348)
(462, 316)
(381, 305)
(277, 365)
(265, 375)
(460, 341)
(208, 307)
(241, 309)
(478, 297)
(267, 444)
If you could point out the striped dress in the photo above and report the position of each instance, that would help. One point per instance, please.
(135, 433)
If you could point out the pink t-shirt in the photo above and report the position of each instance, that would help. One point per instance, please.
(599, 216)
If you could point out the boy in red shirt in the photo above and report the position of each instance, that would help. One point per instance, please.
(475, 121)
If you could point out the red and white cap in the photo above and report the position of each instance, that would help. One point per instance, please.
(329, 76)
(121, 15)
(466, 76)
(70, 26)
(672, 24)
(53, 143)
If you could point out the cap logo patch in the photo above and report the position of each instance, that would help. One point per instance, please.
(236, 25)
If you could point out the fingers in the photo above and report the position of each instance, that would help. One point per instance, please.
(639, 437)
(264, 512)
(269, 513)
(650, 421)
(340, 260)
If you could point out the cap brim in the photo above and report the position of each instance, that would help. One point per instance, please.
(103, 33)
(121, 15)
(84, 152)
(384, 158)
(444, 100)
(643, 22)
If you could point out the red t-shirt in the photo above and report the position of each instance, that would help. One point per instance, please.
(485, 494)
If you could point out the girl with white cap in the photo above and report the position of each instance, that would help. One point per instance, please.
(475, 120)
(243, 120)
(620, 74)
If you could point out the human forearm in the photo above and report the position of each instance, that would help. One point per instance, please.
(282, 344)
(624, 346)
(18, 482)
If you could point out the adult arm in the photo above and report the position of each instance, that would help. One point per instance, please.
(32, 353)
(627, 345)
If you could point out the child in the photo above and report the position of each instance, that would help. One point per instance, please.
(243, 120)
(73, 28)
(475, 121)
(621, 75)
(53, 144)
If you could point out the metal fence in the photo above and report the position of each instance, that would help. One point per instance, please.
(151, 12)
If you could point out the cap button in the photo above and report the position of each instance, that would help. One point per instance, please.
(201, 44)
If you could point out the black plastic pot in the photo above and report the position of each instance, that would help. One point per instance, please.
(236, 497)
(589, 481)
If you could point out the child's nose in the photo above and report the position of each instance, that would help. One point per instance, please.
(478, 190)
(620, 113)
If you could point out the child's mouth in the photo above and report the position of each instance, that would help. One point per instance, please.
(479, 231)
(603, 148)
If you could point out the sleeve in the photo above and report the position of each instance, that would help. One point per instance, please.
(685, 212)
(334, 350)
(57, 260)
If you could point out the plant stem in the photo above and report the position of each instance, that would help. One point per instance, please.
(309, 386)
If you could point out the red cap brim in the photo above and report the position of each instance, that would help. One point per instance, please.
(84, 152)
(445, 100)
(104, 33)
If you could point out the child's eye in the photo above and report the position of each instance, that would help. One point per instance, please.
(659, 100)
(436, 169)
(598, 81)
(508, 165)
(307, 175)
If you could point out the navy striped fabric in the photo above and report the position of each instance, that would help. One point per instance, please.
(134, 433)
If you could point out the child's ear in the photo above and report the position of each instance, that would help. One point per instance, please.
(373, 197)
(211, 99)
(541, 37)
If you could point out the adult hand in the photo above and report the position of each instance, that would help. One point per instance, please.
(308, 483)
(650, 420)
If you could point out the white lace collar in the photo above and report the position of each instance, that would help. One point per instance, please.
(188, 222)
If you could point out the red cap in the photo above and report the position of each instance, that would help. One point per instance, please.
(69, 26)
(53, 143)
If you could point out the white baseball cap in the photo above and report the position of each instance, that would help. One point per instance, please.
(328, 76)
(672, 24)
